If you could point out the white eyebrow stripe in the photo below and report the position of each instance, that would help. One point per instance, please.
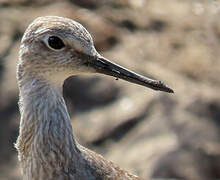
(40, 30)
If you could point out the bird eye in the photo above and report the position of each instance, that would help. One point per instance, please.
(55, 42)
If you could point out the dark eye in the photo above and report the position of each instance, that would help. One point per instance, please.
(55, 42)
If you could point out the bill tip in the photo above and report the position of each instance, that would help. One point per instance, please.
(171, 91)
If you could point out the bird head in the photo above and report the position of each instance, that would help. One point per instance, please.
(54, 48)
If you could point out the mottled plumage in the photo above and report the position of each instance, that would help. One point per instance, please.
(52, 49)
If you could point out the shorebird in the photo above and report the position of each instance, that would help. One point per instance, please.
(52, 49)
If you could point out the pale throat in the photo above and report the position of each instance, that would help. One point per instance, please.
(44, 117)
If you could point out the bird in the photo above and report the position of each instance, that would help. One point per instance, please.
(52, 49)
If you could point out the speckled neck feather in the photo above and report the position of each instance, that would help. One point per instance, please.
(46, 140)
(46, 146)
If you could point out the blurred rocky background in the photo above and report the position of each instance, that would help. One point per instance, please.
(152, 134)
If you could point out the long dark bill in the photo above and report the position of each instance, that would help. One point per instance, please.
(104, 66)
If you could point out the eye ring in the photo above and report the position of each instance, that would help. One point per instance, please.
(55, 43)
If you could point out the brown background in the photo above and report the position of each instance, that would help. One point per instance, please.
(151, 134)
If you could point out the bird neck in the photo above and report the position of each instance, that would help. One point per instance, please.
(45, 128)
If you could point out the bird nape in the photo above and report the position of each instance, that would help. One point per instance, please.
(52, 49)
